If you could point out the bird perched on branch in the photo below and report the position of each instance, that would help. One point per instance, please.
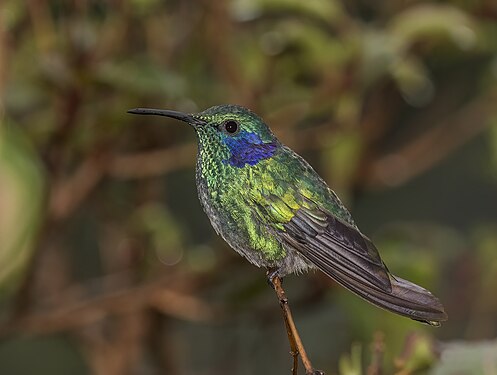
(270, 205)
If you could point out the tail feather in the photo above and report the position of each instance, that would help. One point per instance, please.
(405, 298)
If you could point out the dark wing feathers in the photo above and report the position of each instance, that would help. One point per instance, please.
(338, 245)
(347, 256)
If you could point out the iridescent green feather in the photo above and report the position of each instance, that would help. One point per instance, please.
(274, 209)
(255, 201)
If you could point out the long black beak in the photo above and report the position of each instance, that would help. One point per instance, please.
(164, 112)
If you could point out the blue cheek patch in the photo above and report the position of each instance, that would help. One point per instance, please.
(247, 148)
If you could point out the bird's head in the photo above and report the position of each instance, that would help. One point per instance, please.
(237, 135)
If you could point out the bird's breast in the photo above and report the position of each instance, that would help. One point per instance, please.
(227, 199)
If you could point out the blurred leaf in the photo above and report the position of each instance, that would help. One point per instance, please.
(327, 10)
(379, 52)
(144, 7)
(418, 354)
(486, 239)
(21, 197)
(328, 76)
(142, 77)
(351, 364)
(432, 21)
(11, 15)
(413, 80)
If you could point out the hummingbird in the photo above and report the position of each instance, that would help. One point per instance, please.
(273, 208)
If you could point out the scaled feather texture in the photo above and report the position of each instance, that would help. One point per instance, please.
(271, 206)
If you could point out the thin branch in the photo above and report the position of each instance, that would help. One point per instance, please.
(155, 295)
(378, 350)
(296, 345)
(433, 146)
(4, 61)
(117, 349)
(67, 195)
(148, 164)
(398, 168)
(152, 163)
(43, 26)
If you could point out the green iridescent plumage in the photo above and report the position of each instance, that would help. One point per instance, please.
(274, 209)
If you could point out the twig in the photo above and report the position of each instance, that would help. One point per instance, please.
(294, 351)
(147, 164)
(118, 348)
(4, 61)
(81, 313)
(68, 194)
(419, 353)
(378, 349)
(152, 163)
(434, 145)
(296, 345)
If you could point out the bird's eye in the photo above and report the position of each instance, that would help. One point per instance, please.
(231, 127)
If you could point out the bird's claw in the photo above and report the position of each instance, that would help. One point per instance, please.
(271, 274)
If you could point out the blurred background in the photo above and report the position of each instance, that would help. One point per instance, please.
(108, 264)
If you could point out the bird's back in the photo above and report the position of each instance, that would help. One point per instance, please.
(280, 213)
(249, 206)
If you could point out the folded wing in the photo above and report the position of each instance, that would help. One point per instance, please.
(343, 253)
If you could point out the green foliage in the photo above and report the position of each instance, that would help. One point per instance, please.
(351, 364)
(392, 102)
(21, 201)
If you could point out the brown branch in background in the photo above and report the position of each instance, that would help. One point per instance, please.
(87, 41)
(155, 163)
(218, 32)
(69, 193)
(399, 167)
(4, 59)
(155, 295)
(152, 163)
(378, 350)
(432, 146)
(43, 27)
(418, 353)
(68, 97)
(116, 353)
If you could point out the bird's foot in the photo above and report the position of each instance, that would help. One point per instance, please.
(271, 274)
